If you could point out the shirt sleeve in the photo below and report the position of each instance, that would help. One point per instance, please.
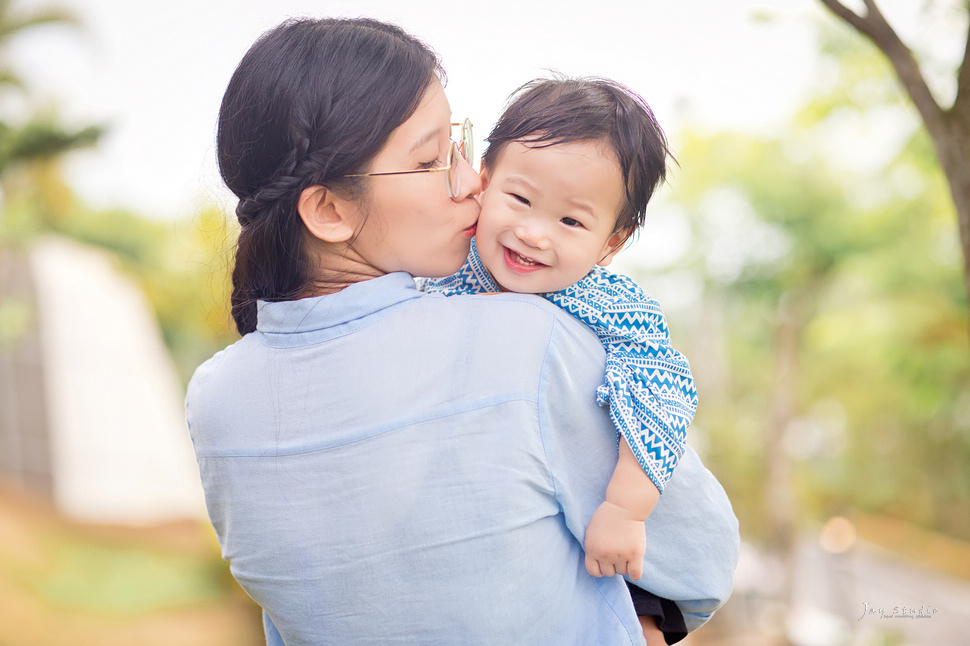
(647, 383)
(692, 534)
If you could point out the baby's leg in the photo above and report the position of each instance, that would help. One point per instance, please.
(651, 632)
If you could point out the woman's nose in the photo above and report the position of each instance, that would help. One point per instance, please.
(471, 183)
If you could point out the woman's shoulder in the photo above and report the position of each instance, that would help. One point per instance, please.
(219, 364)
(508, 313)
(525, 330)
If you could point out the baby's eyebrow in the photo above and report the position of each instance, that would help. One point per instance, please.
(521, 181)
(582, 204)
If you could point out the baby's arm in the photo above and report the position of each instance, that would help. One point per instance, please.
(652, 399)
(615, 540)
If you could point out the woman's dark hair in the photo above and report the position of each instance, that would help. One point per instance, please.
(546, 112)
(310, 102)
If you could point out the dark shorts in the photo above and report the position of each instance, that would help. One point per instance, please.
(666, 613)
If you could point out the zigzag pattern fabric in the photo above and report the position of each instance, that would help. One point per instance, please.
(648, 384)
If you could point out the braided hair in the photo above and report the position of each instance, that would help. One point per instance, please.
(310, 102)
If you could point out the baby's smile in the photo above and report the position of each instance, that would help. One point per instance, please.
(518, 262)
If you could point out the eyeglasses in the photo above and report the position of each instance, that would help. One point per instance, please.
(464, 150)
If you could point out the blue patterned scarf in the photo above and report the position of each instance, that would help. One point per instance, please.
(648, 385)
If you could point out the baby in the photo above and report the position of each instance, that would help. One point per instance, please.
(567, 175)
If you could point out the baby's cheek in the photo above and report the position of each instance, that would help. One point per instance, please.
(487, 226)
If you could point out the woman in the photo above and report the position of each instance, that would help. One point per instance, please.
(384, 466)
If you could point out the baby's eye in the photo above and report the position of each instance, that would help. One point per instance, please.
(570, 222)
(520, 199)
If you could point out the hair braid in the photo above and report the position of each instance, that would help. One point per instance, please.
(310, 102)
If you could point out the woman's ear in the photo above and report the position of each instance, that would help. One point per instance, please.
(326, 215)
(613, 245)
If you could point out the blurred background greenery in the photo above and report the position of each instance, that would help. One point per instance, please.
(820, 297)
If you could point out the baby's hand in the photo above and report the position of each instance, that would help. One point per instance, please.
(615, 542)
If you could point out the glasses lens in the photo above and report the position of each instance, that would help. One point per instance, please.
(454, 172)
(467, 141)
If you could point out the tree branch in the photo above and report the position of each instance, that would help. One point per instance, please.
(961, 105)
(846, 14)
(880, 32)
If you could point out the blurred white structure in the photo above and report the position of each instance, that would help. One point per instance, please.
(119, 448)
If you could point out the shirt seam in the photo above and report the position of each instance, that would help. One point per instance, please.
(542, 441)
(337, 331)
(539, 413)
(480, 405)
(606, 600)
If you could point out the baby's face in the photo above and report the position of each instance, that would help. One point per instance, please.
(548, 214)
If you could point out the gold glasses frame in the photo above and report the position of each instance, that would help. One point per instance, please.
(464, 150)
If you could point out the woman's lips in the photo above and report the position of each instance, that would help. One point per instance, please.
(470, 231)
(519, 263)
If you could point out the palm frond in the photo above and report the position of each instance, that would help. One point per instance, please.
(10, 78)
(13, 24)
(42, 140)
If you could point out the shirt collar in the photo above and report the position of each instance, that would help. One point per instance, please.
(351, 304)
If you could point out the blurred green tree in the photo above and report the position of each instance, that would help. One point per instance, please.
(836, 375)
(39, 137)
(29, 148)
(181, 265)
(13, 23)
(829, 345)
(948, 127)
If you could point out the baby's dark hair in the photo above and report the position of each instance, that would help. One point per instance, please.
(546, 112)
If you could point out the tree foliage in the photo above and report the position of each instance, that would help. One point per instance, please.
(40, 137)
(14, 23)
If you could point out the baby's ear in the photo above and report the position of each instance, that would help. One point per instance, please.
(483, 173)
(613, 245)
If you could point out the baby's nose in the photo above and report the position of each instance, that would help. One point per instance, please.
(533, 235)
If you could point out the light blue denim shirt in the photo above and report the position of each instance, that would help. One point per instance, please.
(383, 466)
